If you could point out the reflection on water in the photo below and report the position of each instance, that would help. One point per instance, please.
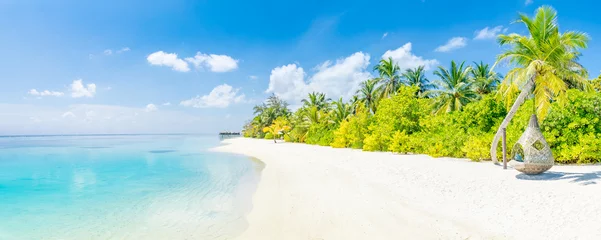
(72, 188)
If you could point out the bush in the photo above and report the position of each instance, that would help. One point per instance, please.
(401, 112)
(268, 136)
(352, 131)
(400, 143)
(477, 147)
(321, 134)
(571, 127)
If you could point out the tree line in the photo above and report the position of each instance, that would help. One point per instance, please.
(462, 111)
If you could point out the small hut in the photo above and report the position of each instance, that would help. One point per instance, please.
(531, 154)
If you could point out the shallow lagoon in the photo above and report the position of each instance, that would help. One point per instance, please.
(122, 187)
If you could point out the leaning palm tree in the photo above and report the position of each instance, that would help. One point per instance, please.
(340, 111)
(417, 77)
(484, 80)
(545, 65)
(316, 99)
(454, 89)
(368, 94)
(389, 77)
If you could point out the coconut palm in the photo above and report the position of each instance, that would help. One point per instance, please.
(484, 80)
(416, 77)
(545, 65)
(454, 89)
(340, 111)
(389, 77)
(368, 94)
(354, 102)
(316, 99)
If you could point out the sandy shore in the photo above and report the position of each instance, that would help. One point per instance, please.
(312, 192)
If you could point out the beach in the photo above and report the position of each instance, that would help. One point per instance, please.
(314, 192)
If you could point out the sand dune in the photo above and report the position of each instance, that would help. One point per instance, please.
(312, 192)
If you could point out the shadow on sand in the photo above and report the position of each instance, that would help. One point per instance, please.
(588, 178)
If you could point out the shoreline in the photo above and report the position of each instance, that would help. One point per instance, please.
(313, 192)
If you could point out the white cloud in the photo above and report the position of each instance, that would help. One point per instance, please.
(405, 59)
(68, 115)
(528, 2)
(166, 104)
(214, 62)
(161, 58)
(107, 52)
(34, 92)
(151, 108)
(384, 35)
(340, 79)
(122, 50)
(488, 33)
(252, 77)
(452, 44)
(220, 97)
(79, 90)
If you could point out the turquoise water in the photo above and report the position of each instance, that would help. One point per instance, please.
(122, 187)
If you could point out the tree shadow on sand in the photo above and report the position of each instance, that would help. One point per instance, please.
(588, 178)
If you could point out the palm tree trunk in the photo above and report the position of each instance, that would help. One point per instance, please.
(516, 105)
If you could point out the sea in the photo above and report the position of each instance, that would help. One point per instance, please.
(123, 187)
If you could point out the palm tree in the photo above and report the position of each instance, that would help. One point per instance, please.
(313, 115)
(279, 126)
(454, 89)
(484, 80)
(416, 77)
(389, 77)
(368, 94)
(545, 65)
(341, 111)
(316, 99)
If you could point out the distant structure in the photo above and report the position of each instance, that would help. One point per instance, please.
(224, 135)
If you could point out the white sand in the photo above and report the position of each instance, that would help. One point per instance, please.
(312, 192)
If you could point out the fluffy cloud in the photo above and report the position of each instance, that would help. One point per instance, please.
(452, 44)
(150, 108)
(161, 58)
(108, 52)
(34, 92)
(166, 104)
(340, 79)
(79, 90)
(384, 35)
(405, 59)
(220, 97)
(214, 62)
(488, 33)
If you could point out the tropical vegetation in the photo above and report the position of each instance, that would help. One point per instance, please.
(461, 110)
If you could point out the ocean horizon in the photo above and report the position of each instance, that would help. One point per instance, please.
(125, 186)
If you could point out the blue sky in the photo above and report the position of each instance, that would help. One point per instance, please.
(112, 66)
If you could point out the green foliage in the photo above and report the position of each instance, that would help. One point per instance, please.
(477, 147)
(570, 128)
(320, 134)
(400, 143)
(352, 131)
(401, 112)
(268, 135)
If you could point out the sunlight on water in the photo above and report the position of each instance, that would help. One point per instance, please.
(122, 187)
